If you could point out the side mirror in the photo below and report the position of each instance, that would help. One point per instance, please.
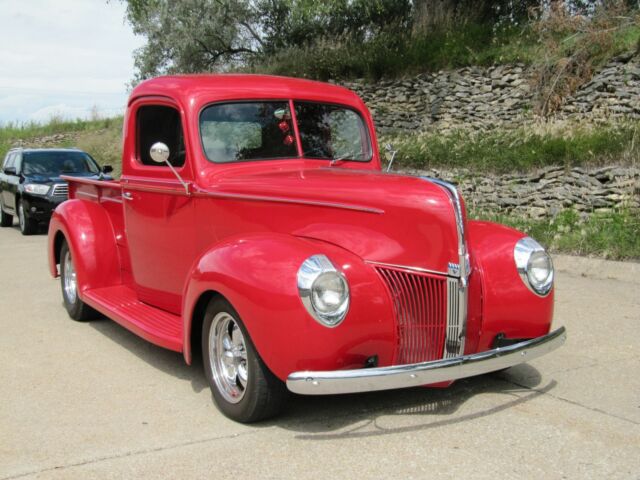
(10, 171)
(107, 169)
(159, 152)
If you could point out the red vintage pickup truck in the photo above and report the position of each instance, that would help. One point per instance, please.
(252, 224)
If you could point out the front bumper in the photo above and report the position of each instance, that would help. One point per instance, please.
(39, 207)
(413, 375)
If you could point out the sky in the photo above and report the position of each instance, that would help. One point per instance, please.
(64, 58)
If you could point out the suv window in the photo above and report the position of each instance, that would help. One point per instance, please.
(247, 131)
(159, 123)
(8, 161)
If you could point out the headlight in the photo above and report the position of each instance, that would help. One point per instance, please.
(324, 290)
(36, 189)
(534, 266)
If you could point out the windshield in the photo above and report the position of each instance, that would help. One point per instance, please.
(58, 163)
(247, 131)
(264, 130)
(332, 132)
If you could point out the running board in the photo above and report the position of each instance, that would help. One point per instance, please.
(121, 304)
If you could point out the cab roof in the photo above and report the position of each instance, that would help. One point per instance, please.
(212, 87)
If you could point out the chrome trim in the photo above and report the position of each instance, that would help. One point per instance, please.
(457, 294)
(405, 267)
(200, 192)
(60, 190)
(80, 193)
(454, 196)
(456, 309)
(417, 374)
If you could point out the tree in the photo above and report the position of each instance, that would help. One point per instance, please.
(211, 35)
(192, 35)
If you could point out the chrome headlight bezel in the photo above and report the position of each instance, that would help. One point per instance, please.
(37, 188)
(312, 269)
(526, 250)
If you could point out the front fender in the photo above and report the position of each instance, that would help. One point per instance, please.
(88, 230)
(258, 275)
(508, 306)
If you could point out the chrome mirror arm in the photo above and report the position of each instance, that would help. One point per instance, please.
(393, 153)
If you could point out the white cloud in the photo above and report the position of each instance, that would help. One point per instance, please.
(68, 54)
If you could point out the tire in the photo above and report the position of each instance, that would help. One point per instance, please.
(76, 308)
(27, 225)
(6, 220)
(243, 387)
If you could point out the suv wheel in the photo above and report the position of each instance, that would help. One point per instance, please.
(243, 387)
(6, 220)
(27, 225)
(76, 308)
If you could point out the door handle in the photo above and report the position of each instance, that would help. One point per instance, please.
(127, 196)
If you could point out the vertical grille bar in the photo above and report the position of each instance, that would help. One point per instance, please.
(421, 315)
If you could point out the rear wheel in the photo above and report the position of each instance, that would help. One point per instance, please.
(76, 308)
(6, 220)
(243, 388)
(27, 225)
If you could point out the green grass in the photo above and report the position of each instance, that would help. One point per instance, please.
(614, 235)
(393, 55)
(519, 150)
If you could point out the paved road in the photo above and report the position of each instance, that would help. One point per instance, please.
(94, 401)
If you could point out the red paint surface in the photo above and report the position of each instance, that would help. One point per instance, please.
(244, 229)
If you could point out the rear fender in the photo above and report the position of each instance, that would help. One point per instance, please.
(508, 306)
(258, 275)
(87, 228)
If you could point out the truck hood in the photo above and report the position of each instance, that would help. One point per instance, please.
(384, 218)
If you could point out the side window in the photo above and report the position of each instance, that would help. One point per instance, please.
(8, 161)
(158, 123)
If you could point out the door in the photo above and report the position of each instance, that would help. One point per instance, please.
(9, 183)
(158, 211)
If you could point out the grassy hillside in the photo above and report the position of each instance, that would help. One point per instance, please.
(467, 45)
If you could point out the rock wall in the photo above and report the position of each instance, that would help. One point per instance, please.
(483, 98)
(547, 191)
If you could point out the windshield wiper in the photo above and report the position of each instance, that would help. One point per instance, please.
(346, 156)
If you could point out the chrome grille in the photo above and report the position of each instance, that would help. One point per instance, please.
(454, 345)
(420, 302)
(60, 190)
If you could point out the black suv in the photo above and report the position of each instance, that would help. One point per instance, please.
(31, 187)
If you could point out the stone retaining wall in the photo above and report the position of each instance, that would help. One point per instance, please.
(483, 98)
(546, 192)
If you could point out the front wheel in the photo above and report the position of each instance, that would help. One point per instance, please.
(27, 225)
(243, 388)
(76, 308)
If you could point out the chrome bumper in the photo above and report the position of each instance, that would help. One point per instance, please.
(413, 375)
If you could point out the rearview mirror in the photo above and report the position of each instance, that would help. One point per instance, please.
(10, 171)
(159, 152)
(107, 169)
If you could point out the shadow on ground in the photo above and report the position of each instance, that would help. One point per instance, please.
(358, 415)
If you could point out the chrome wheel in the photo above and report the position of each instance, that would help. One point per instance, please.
(69, 278)
(21, 218)
(228, 357)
